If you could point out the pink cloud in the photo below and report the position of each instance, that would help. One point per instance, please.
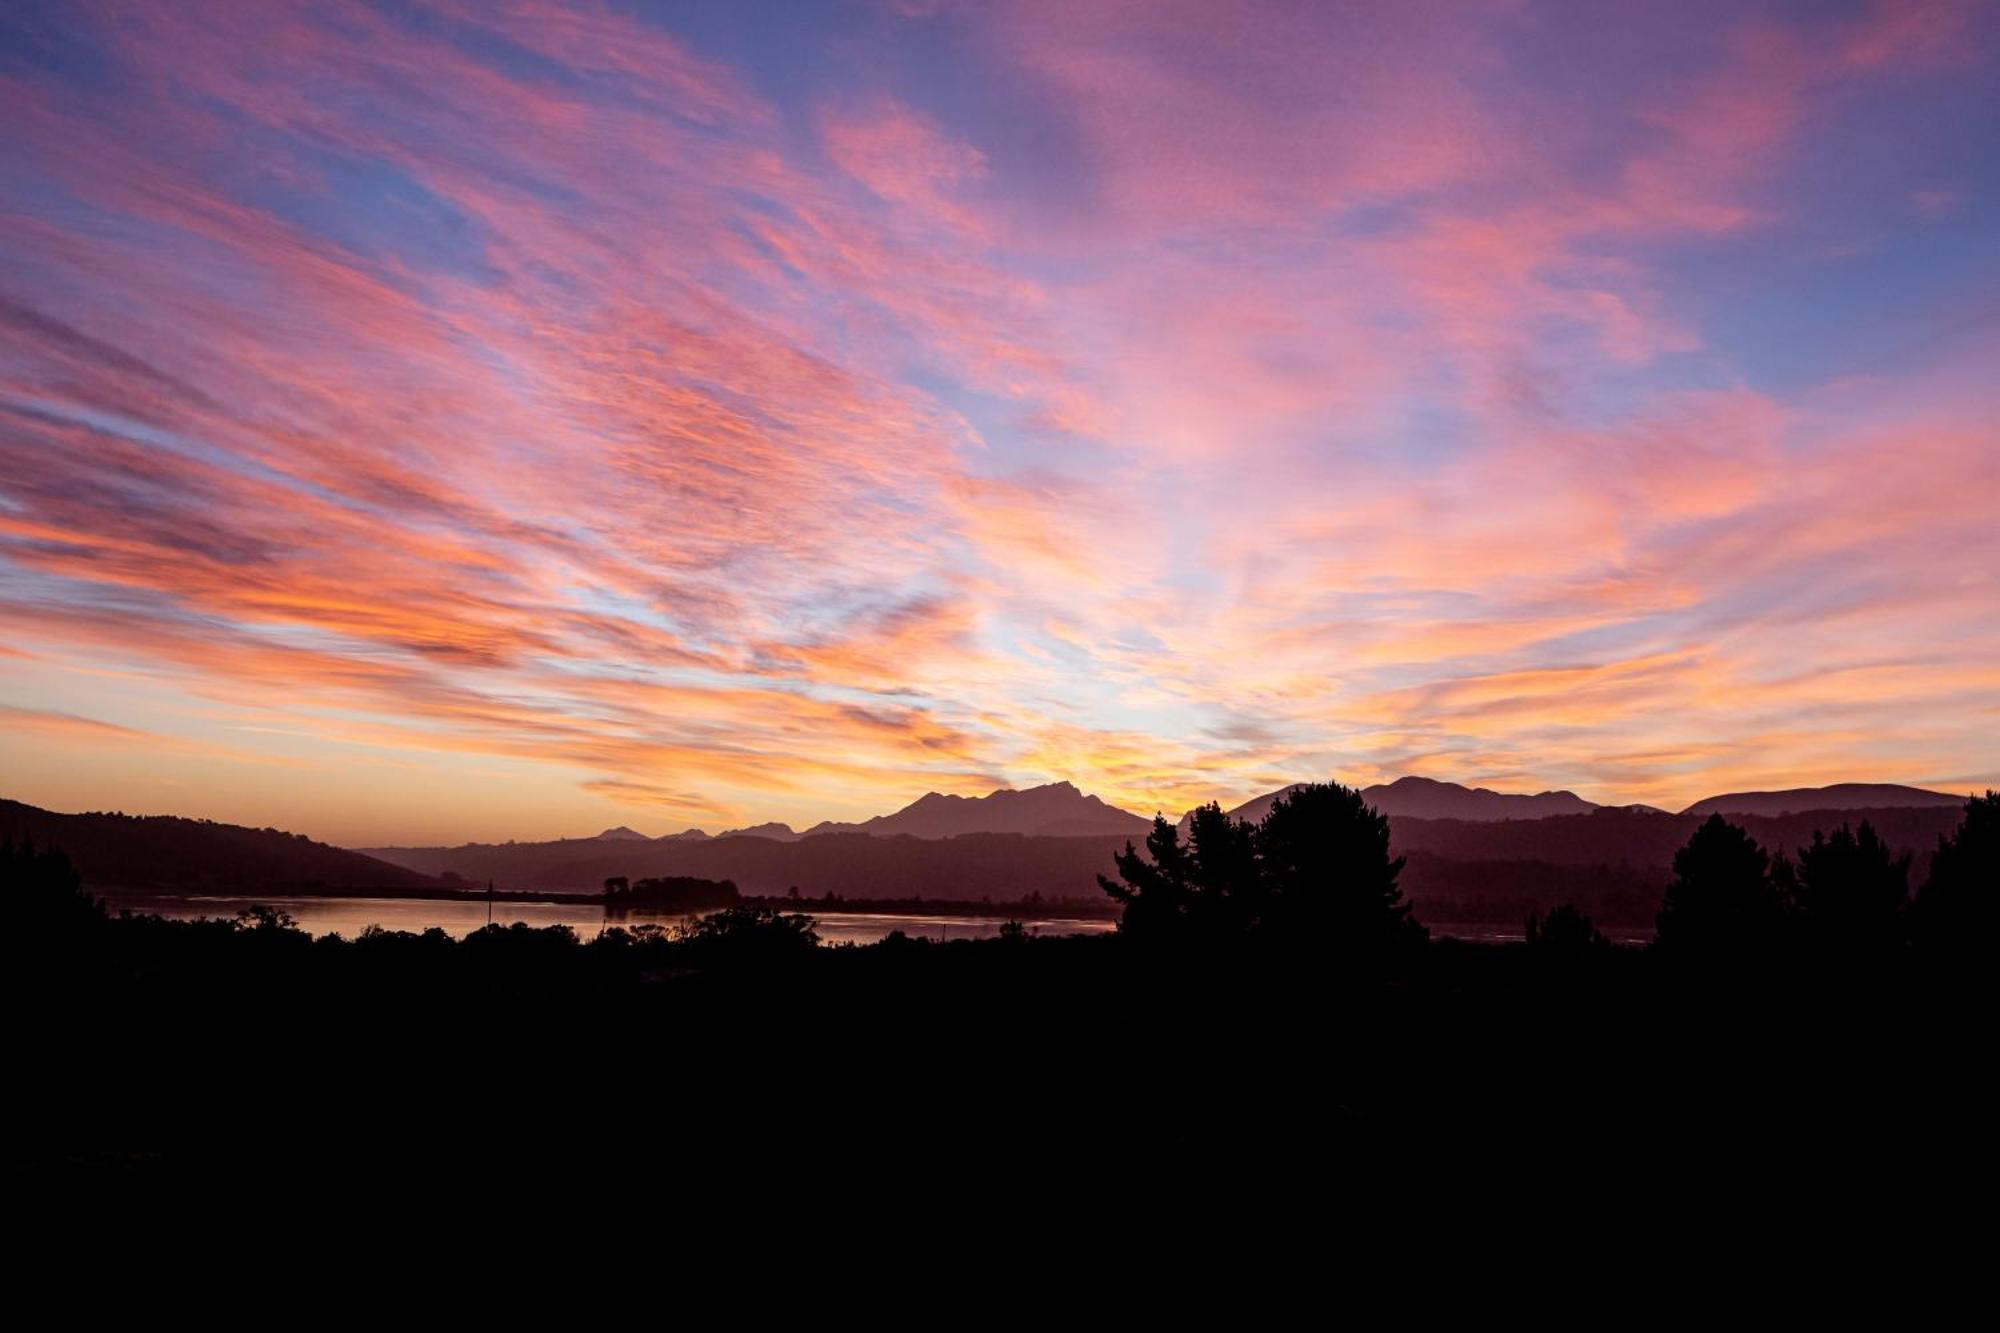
(1332, 405)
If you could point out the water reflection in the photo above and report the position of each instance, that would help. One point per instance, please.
(350, 916)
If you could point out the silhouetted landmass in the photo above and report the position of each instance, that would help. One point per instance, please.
(1315, 873)
(1953, 915)
(1800, 1010)
(1722, 899)
(1643, 839)
(1614, 862)
(1427, 798)
(1056, 810)
(852, 865)
(1564, 936)
(166, 852)
(1507, 892)
(677, 893)
(773, 832)
(1848, 796)
(1083, 909)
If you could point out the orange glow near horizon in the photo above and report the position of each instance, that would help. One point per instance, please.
(425, 423)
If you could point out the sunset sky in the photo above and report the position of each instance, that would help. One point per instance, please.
(432, 422)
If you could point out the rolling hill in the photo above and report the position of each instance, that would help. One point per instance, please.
(1427, 798)
(1840, 796)
(167, 852)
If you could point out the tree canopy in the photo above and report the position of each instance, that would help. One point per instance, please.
(1954, 912)
(1723, 899)
(1314, 873)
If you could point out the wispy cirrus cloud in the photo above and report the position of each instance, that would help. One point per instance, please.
(1209, 399)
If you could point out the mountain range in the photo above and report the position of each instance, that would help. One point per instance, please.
(1488, 860)
(1426, 798)
(1060, 810)
(1056, 810)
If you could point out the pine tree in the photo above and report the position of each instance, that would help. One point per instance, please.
(1152, 886)
(1722, 901)
(1852, 892)
(1328, 880)
(1955, 912)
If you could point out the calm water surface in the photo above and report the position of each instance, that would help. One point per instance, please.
(350, 916)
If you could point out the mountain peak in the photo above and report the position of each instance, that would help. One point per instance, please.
(1413, 797)
(1055, 809)
(622, 834)
(775, 831)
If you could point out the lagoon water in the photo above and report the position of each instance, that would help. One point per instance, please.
(350, 916)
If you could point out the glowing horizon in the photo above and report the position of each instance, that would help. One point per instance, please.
(432, 423)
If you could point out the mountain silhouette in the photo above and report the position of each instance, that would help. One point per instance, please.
(1057, 810)
(1840, 796)
(1427, 798)
(622, 834)
(774, 832)
(685, 835)
(168, 852)
(1613, 863)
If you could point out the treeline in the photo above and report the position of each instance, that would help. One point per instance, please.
(1648, 839)
(673, 893)
(1034, 905)
(1843, 898)
(1442, 890)
(55, 928)
(1614, 863)
(1316, 873)
(1269, 1011)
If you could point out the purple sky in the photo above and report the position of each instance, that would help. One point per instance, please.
(427, 422)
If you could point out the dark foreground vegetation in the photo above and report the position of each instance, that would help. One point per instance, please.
(1267, 1017)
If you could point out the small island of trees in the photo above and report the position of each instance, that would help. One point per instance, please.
(668, 894)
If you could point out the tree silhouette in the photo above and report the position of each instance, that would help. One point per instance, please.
(1315, 873)
(741, 935)
(1852, 891)
(1327, 876)
(1722, 901)
(1225, 883)
(1954, 912)
(1564, 935)
(1154, 886)
(42, 892)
